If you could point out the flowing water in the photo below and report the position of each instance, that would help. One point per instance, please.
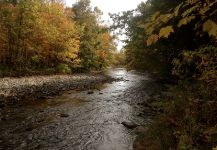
(77, 120)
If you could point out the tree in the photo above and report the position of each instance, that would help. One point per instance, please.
(93, 52)
(37, 34)
(177, 41)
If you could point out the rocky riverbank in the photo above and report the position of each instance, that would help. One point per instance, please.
(15, 89)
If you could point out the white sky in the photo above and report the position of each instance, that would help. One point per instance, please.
(111, 6)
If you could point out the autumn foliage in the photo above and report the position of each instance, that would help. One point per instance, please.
(44, 35)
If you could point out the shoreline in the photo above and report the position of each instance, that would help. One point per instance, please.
(40, 87)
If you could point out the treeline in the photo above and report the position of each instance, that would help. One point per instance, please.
(119, 59)
(177, 40)
(44, 36)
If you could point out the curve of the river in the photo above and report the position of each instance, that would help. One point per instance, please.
(77, 120)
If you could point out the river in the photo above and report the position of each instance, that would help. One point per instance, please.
(78, 120)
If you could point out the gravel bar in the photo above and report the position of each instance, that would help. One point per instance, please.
(14, 89)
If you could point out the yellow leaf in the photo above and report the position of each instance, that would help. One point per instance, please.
(152, 39)
(166, 31)
(190, 10)
(177, 9)
(192, 1)
(204, 10)
(185, 20)
(149, 28)
(211, 28)
(213, 13)
(215, 148)
(155, 16)
(165, 18)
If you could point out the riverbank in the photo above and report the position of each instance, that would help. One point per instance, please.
(186, 119)
(39, 87)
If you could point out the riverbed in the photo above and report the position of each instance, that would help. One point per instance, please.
(89, 119)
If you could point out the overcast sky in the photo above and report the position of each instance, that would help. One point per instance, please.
(111, 6)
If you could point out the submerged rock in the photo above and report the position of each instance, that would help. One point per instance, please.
(90, 92)
(3, 119)
(64, 115)
(2, 105)
(29, 128)
(129, 125)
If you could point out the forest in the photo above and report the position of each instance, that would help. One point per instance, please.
(45, 37)
(175, 42)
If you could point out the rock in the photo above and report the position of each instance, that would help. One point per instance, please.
(3, 119)
(50, 97)
(140, 114)
(90, 92)
(30, 128)
(40, 120)
(69, 92)
(140, 103)
(64, 115)
(2, 105)
(30, 137)
(100, 93)
(129, 125)
(23, 144)
(42, 97)
(146, 104)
